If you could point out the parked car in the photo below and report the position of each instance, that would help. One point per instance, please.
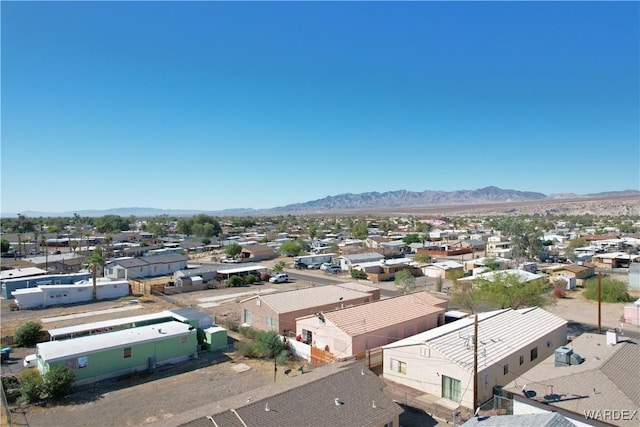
(29, 361)
(313, 266)
(279, 278)
(333, 269)
(230, 260)
(325, 266)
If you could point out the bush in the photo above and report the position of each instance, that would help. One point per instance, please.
(247, 349)
(250, 279)
(559, 292)
(612, 290)
(358, 274)
(235, 281)
(31, 385)
(27, 335)
(58, 381)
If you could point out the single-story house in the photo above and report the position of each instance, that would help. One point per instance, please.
(615, 260)
(606, 380)
(503, 263)
(257, 253)
(353, 330)
(279, 311)
(339, 394)
(440, 362)
(580, 272)
(148, 266)
(346, 262)
(522, 275)
(443, 270)
(97, 357)
(49, 295)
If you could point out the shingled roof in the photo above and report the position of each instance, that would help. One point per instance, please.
(340, 394)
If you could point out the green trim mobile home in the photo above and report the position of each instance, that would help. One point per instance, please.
(97, 357)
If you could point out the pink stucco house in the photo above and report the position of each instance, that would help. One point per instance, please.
(351, 331)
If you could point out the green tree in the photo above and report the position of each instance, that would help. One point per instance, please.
(232, 249)
(465, 295)
(96, 260)
(278, 267)
(111, 224)
(422, 257)
(4, 245)
(611, 290)
(492, 264)
(404, 280)
(58, 381)
(525, 237)
(291, 248)
(411, 238)
(360, 230)
(271, 346)
(27, 335)
(509, 290)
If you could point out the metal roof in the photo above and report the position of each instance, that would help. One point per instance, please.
(55, 350)
(86, 327)
(500, 333)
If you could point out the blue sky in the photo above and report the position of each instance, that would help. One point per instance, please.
(216, 105)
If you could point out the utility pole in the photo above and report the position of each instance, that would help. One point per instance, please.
(475, 363)
(599, 300)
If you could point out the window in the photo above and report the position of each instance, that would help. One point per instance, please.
(521, 360)
(389, 424)
(398, 366)
(271, 322)
(247, 316)
(505, 369)
(534, 353)
(450, 388)
(127, 352)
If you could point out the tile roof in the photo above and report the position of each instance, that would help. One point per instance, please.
(299, 299)
(496, 336)
(309, 400)
(381, 314)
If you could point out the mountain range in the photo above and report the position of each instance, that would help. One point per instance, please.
(358, 202)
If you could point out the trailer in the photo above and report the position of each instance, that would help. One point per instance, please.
(305, 261)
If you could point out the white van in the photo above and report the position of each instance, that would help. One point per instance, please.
(30, 361)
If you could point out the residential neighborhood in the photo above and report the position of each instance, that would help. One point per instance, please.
(417, 315)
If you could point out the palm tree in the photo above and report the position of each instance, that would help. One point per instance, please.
(95, 260)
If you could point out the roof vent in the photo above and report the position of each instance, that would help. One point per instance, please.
(266, 407)
(338, 402)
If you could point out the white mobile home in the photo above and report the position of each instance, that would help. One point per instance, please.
(45, 296)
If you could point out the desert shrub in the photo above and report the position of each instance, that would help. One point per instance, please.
(250, 279)
(247, 349)
(358, 274)
(27, 334)
(58, 381)
(235, 281)
(31, 385)
(250, 333)
(611, 290)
